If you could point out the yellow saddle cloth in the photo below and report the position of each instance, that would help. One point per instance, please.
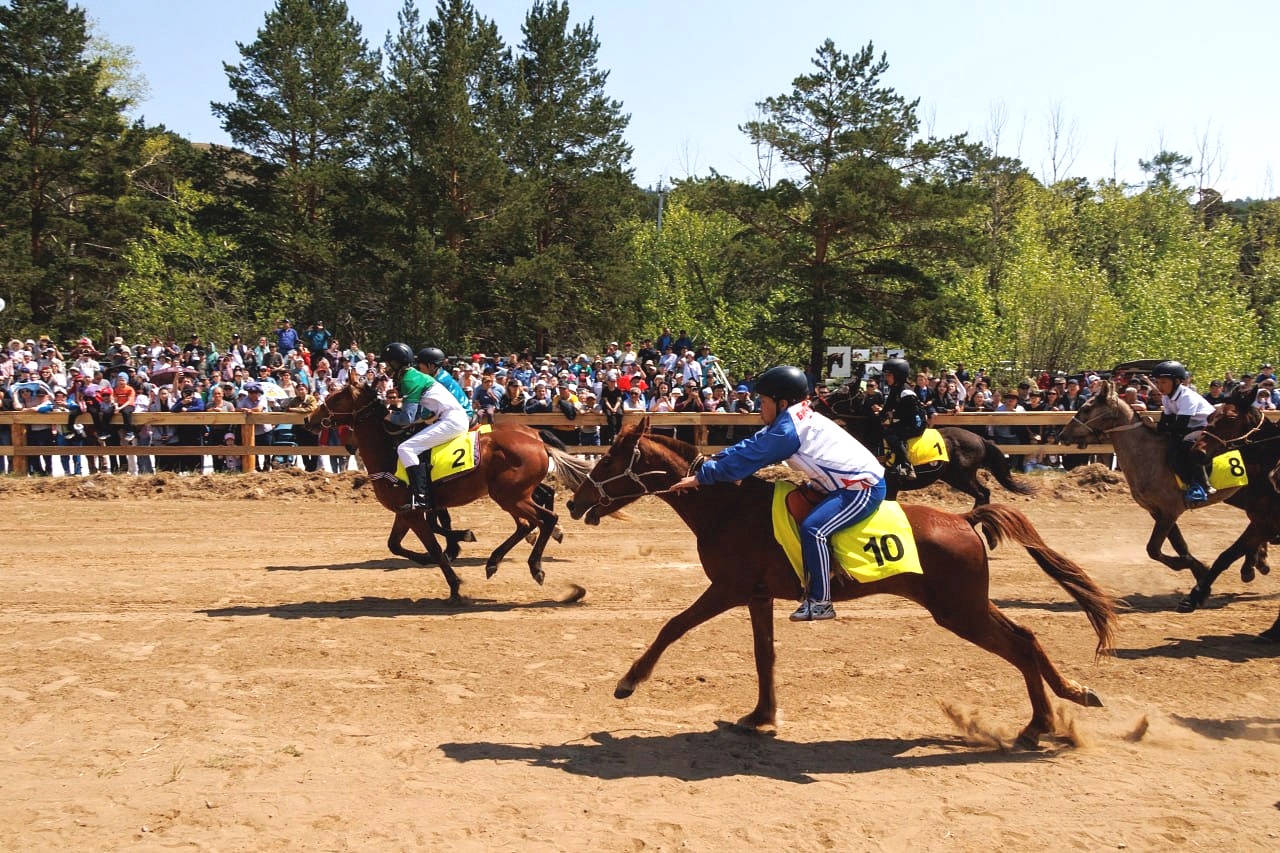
(455, 457)
(879, 546)
(925, 449)
(1225, 472)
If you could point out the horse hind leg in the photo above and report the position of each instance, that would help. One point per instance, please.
(1001, 636)
(523, 528)
(421, 527)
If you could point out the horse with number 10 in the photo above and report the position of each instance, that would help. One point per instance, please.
(513, 462)
(748, 568)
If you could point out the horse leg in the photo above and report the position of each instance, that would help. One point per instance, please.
(967, 481)
(546, 522)
(764, 718)
(1272, 633)
(992, 630)
(491, 565)
(1168, 530)
(421, 527)
(713, 601)
(1246, 545)
(442, 524)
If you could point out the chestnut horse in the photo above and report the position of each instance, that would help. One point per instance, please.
(514, 461)
(967, 453)
(1144, 461)
(747, 567)
(1237, 425)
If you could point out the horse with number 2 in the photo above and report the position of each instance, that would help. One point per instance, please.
(511, 465)
(748, 567)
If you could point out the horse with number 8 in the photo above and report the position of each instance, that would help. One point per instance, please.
(748, 568)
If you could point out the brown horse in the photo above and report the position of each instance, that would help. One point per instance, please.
(513, 463)
(967, 452)
(747, 567)
(1237, 425)
(1143, 458)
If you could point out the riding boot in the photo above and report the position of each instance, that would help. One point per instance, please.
(419, 495)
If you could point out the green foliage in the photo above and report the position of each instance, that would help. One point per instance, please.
(182, 280)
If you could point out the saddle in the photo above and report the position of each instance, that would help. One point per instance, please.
(454, 458)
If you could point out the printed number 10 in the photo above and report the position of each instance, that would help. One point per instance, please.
(886, 549)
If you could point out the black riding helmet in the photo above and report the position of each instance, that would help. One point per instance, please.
(898, 368)
(783, 382)
(397, 355)
(431, 356)
(1172, 369)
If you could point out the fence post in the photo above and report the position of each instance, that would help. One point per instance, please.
(19, 441)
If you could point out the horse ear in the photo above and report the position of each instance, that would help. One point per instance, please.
(644, 425)
(1107, 388)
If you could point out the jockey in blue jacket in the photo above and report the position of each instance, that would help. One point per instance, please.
(835, 462)
(431, 362)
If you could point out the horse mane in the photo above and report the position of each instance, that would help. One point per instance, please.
(683, 449)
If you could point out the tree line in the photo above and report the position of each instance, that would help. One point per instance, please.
(452, 188)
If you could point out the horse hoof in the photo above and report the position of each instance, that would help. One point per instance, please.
(557, 534)
(453, 551)
(1029, 740)
(1189, 604)
(490, 569)
(538, 575)
(623, 690)
(467, 536)
(1271, 635)
(758, 724)
(1246, 574)
(1091, 699)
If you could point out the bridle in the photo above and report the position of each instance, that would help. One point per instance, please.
(629, 473)
(1100, 435)
(1239, 440)
(331, 417)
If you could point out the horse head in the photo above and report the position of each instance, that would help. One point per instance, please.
(1233, 423)
(1102, 412)
(344, 406)
(637, 464)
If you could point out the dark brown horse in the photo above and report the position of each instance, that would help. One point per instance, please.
(1144, 461)
(1237, 425)
(514, 461)
(967, 452)
(747, 567)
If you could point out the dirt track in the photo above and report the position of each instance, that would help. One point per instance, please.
(238, 665)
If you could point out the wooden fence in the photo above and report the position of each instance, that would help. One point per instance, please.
(21, 422)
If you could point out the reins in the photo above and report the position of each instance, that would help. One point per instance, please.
(629, 473)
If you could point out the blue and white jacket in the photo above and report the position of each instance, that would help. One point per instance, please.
(808, 442)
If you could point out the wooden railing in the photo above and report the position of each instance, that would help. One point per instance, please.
(701, 422)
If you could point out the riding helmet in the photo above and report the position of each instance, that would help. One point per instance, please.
(783, 382)
(1171, 369)
(431, 356)
(898, 368)
(397, 355)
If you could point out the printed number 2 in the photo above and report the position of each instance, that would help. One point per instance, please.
(458, 455)
(886, 549)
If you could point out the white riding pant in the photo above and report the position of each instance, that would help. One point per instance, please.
(451, 425)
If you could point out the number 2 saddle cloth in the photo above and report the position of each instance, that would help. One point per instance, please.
(452, 459)
(879, 546)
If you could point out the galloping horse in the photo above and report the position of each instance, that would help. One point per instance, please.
(512, 463)
(1237, 425)
(747, 567)
(1145, 463)
(967, 452)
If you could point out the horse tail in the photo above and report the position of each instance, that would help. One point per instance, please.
(568, 470)
(550, 439)
(997, 463)
(1000, 522)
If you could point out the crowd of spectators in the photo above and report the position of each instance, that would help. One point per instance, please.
(292, 370)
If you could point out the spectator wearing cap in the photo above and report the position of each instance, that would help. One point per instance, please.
(668, 361)
(611, 400)
(1216, 394)
(37, 399)
(1268, 386)
(124, 396)
(1265, 372)
(635, 401)
(515, 398)
(255, 402)
(690, 369)
(1005, 433)
(286, 335)
(690, 401)
(588, 436)
(317, 340)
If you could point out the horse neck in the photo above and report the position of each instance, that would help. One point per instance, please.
(375, 447)
(692, 507)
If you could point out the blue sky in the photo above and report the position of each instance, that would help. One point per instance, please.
(1126, 78)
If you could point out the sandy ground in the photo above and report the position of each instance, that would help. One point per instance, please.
(238, 664)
